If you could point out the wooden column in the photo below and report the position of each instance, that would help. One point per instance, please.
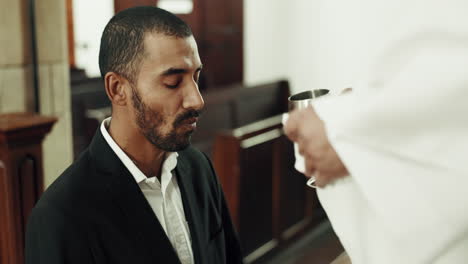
(21, 177)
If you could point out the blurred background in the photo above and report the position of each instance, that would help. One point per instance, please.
(255, 54)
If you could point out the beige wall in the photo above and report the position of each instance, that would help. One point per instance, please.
(54, 83)
(335, 44)
(16, 85)
(15, 72)
(265, 44)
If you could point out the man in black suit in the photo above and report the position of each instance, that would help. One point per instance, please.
(139, 193)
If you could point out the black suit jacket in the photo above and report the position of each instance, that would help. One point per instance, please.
(95, 212)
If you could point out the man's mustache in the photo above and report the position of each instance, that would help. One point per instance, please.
(187, 115)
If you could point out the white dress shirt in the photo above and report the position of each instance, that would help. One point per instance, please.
(164, 197)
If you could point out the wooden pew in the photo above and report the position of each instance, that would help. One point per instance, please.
(87, 94)
(21, 177)
(261, 101)
(237, 105)
(270, 204)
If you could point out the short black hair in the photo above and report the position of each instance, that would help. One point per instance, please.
(122, 44)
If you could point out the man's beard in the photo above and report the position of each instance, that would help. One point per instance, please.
(150, 122)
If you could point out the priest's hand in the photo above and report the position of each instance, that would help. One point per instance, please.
(305, 128)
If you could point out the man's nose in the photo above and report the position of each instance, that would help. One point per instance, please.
(193, 99)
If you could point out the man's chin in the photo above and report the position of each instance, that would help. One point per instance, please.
(175, 145)
(180, 147)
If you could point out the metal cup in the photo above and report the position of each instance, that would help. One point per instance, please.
(300, 101)
(304, 99)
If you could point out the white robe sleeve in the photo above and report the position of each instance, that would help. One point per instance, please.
(406, 148)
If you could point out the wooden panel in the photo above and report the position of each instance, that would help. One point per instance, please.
(226, 162)
(120, 5)
(21, 180)
(270, 202)
(86, 94)
(292, 197)
(215, 117)
(70, 34)
(12, 237)
(4, 246)
(256, 227)
(21, 185)
(223, 40)
(261, 101)
(28, 183)
(218, 115)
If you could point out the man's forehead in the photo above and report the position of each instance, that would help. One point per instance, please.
(154, 41)
(163, 49)
(160, 46)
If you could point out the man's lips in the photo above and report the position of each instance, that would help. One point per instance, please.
(191, 120)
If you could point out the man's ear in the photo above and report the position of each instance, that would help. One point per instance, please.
(115, 88)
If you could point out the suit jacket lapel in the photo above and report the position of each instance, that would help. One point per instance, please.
(191, 206)
(137, 214)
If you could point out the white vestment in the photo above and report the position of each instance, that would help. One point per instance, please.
(404, 140)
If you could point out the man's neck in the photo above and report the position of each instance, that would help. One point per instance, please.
(145, 155)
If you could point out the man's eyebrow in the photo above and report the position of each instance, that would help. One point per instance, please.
(175, 71)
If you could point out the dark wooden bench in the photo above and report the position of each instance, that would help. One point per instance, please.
(235, 106)
(87, 94)
(268, 199)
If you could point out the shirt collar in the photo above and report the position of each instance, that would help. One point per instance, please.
(168, 166)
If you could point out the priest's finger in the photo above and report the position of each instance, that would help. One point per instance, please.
(320, 180)
(310, 167)
(291, 126)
